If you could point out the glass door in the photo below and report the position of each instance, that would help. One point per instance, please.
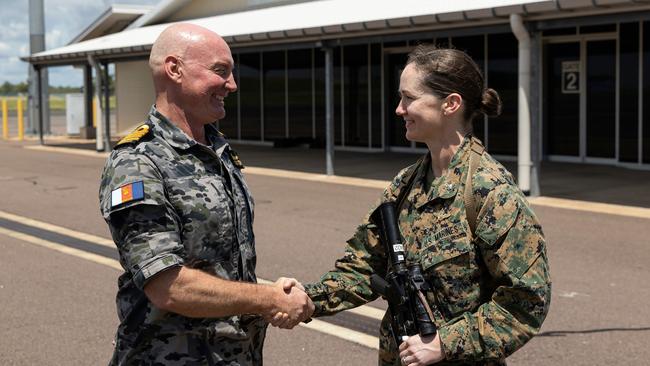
(579, 91)
(562, 99)
(600, 134)
(395, 125)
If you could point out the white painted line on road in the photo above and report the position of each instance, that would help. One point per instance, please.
(605, 208)
(369, 312)
(57, 229)
(344, 333)
(317, 325)
(62, 248)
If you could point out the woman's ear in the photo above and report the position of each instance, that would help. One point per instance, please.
(452, 104)
(173, 68)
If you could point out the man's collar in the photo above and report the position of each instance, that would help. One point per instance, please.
(176, 137)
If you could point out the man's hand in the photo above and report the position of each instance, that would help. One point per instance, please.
(292, 304)
(287, 283)
(417, 351)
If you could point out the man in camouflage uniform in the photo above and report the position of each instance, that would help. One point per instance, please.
(181, 216)
(490, 295)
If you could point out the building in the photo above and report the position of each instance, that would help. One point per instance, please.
(570, 72)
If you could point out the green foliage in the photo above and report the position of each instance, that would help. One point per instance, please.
(8, 88)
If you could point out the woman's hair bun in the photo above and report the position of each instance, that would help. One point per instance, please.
(490, 103)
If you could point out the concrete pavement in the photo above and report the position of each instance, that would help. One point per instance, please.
(598, 265)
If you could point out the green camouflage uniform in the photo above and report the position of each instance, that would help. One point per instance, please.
(196, 211)
(490, 295)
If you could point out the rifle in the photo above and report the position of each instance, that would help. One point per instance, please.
(404, 286)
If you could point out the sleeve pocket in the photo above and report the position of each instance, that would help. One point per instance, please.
(497, 220)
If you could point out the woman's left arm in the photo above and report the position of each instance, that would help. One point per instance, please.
(511, 244)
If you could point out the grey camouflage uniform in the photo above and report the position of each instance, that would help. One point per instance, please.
(196, 212)
(490, 295)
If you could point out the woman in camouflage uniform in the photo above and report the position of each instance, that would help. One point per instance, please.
(482, 250)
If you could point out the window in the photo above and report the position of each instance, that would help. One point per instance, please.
(503, 69)
(375, 87)
(646, 92)
(250, 96)
(228, 124)
(474, 46)
(274, 95)
(300, 96)
(629, 93)
(355, 111)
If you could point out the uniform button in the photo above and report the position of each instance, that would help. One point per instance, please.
(450, 186)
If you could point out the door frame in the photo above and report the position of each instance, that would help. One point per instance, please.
(582, 39)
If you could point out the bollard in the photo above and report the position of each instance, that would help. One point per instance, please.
(5, 120)
(21, 122)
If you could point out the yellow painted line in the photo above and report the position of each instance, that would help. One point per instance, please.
(57, 229)
(279, 173)
(605, 208)
(596, 207)
(62, 248)
(68, 150)
(321, 178)
(317, 325)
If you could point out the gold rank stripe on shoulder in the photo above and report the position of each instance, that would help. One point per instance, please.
(136, 135)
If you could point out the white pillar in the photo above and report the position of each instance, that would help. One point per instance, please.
(99, 129)
(524, 162)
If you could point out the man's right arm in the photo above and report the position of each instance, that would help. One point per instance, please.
(197, 294)
(147, 234)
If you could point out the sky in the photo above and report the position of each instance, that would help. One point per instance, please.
(64, 20)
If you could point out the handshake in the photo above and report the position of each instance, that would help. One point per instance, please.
(290, 304)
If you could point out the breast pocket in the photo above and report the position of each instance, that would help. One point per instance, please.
(205, 212)
(448, 261)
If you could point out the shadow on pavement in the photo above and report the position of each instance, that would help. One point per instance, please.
(562, 333)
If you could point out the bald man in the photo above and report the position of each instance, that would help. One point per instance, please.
(181, 215)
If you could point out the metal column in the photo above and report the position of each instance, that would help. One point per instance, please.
(99, 130)
(107, 110)
(39, 93)
(39, 105)
(523, 154)
(88, 96)
(535, 111)
(329, 111)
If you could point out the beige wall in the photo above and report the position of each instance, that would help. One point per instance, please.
(134, 94)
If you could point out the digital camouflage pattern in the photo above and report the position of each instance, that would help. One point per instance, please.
(196, 212)
(490, 295)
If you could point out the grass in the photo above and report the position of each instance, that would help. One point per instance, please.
(57, 102)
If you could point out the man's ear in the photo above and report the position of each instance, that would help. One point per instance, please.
(173, 68)
(452, 104)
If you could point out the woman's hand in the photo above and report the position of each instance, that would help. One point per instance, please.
(418, 351)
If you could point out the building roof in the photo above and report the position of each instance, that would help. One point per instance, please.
(160, 12)
(114, 19)
(317, 20)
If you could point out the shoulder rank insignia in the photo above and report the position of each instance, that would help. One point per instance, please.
(235, 159)
(135, 135)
